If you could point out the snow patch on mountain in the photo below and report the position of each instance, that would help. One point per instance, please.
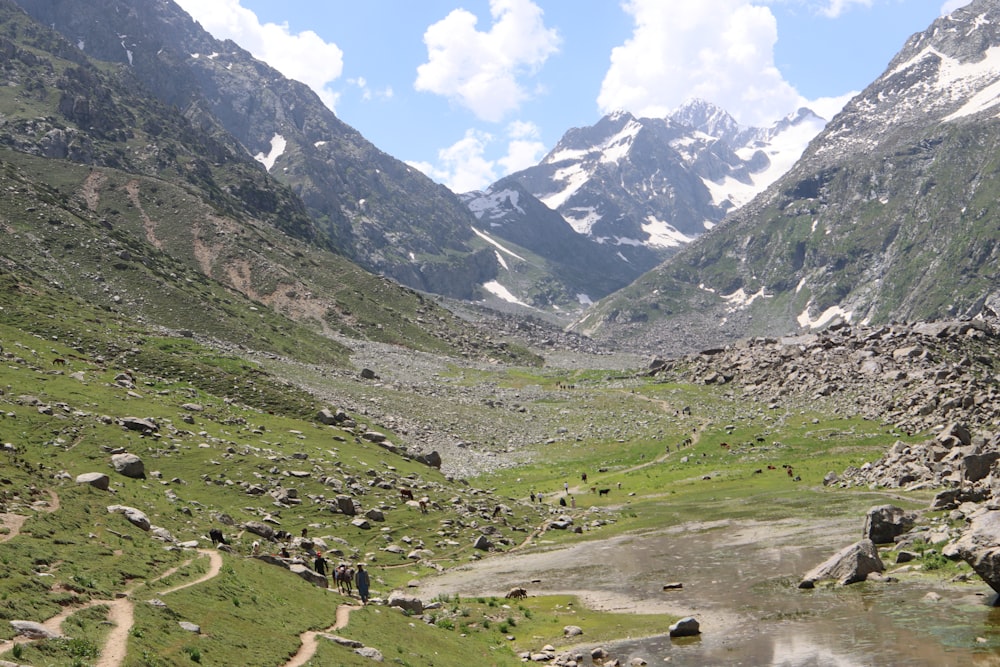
(278, 145)
(493, 204)
(663, 235)
(573, 177)
(501, 292)
(486, 237)
(824, 318)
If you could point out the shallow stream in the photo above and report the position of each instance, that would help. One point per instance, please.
(740, 581)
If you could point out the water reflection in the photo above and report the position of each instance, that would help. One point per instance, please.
(740, 581)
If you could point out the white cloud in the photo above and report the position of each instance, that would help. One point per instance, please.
(303, 56)
(718, 50)
(835, 8)
(464, 166)
(482, 70)
(952, 5)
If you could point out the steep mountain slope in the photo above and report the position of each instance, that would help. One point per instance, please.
(374, 209)
(119, 201)
(890, 214)
(640, 188)
(544, 261)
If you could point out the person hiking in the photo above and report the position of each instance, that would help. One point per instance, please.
(319, 565)
(362, 581)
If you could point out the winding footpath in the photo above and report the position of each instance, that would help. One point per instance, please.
(310, 638)
(121, 610)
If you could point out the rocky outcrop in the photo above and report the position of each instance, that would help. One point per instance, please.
(979, 546)
(848, 566)
(885, 523)
(409, 603)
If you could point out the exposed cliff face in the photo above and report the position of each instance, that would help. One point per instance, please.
(890, 214)
(371, 207)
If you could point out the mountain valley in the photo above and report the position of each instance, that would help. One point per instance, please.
(293, 349)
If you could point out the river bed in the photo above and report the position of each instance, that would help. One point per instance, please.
(740, 581)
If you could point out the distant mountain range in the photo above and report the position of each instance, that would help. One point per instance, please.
(640, 188)
(667, 234)
(890, 214)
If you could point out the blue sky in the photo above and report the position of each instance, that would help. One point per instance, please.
(471, 90)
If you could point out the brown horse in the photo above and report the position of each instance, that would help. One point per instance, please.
(344, 576)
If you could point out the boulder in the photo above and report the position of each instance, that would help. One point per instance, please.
(145, 426)
(190, 627)
(482, 543)
(361, 523)
(129, 465)
(259, 528)
(134, 516)
(372, 654)
(33, 630)
(433, 459)
(311, 576)
(884, 523)
(346, 505)
(409, 603)
(977, 466)
(98, 480)
(572, 631)
(375, 515)
(848, 566)
(686, 627)
(979, 546)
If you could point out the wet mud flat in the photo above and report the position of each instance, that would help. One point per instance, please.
(740, 580)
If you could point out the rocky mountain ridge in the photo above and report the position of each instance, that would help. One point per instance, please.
(370, 207)
(639, 188)
(888, 216)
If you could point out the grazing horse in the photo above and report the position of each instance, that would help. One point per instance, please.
(344, 576)
(405, 494)
(517, 593)
(603, 492)
(217, 537)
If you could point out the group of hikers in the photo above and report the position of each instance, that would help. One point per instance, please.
(345, 577)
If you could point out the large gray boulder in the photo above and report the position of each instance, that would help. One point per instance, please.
(686, 627)
(346, 505)
(405, 602)
(260, 528)
(979, 546)
(884, 523)
(98, 480)
(309, 575)
(129, 465)
(135, 517)
(33, 630)
(848, 566)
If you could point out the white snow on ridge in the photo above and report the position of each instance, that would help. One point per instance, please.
(499, 291)
(783, 151)
(492, 202)
(278, 144)
(497, 245)
(663, 235)
(957, 81)
(617, 146)
(501, 261)
(574, 176)
(582, 219)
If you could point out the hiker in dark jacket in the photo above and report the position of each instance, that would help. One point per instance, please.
(362, 582)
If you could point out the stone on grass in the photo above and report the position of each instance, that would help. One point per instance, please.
(848, 566)
(686, 627)
(98, 480)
